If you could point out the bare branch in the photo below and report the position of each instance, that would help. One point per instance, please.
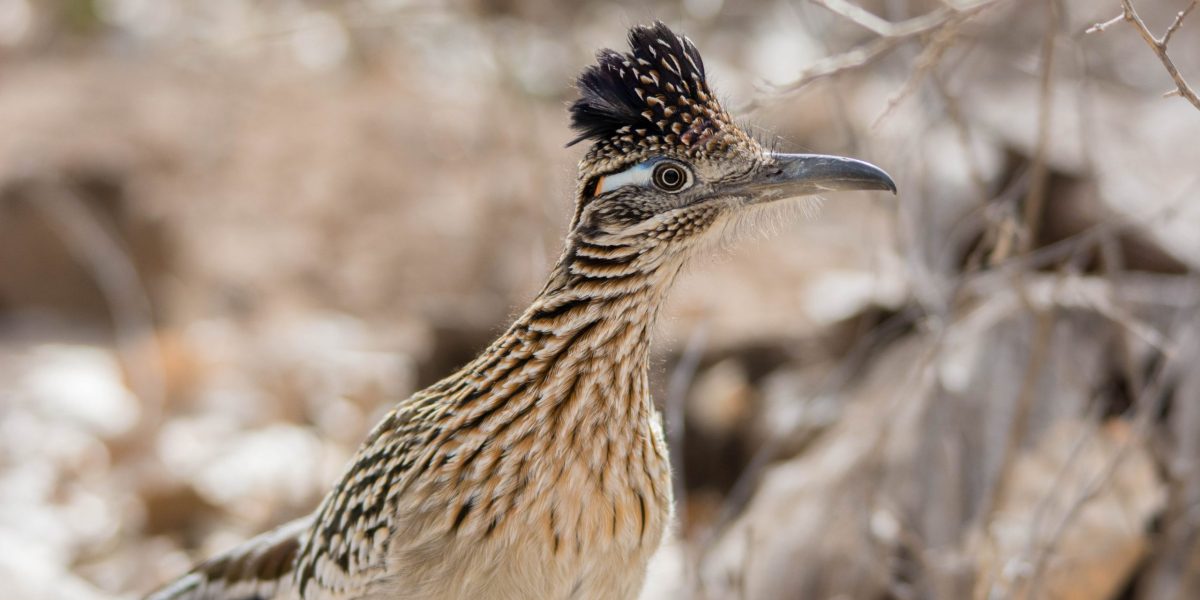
(677, 390)
(1179, 17)
(1100, 27)
(829, 66)
(929, 58)
(891, 35)
(118, 280)
(881, 27)
(1158, 45)
(1036, 197)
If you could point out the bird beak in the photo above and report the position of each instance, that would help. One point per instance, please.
(791, 175)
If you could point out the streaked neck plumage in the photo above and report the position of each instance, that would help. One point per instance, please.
(592, 321)
(560, 403)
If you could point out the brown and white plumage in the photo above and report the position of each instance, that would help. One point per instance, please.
(539, 469)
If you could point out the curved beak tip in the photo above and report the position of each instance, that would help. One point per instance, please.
(890, 184)
(801, 174)
(877, 179)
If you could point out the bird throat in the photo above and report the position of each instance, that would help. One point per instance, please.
(576, 362)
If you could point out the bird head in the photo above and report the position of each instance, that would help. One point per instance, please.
(667, 165)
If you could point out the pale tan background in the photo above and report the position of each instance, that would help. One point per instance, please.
(233, 232)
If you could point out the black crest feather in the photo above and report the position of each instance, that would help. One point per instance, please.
(640, 93)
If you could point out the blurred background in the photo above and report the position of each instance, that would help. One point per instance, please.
(233, 233)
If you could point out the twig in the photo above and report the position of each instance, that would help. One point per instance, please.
(882, 27)
(837, 99)
(1159, 45)
(1044, 320)
(1055, 251)
(1036, 198)
(1179, 17)
(955, 113)
(116, 276)
(1100, 27)
(929, 58)
(677, 389)
(1147, 407)
(827, 67)
(1043, 551)
(891, 35)
(1043, 329)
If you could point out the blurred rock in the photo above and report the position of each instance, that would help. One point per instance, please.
(30, 574)
(806, 526)
(665, 576)
(795, 409)
(720, 399)
(80, 384)
(890, 498)
(1074, 518)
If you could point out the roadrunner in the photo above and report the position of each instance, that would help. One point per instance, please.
(539, 471)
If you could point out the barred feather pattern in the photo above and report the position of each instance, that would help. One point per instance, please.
(544, 451)
(258, 569)
(539, 469)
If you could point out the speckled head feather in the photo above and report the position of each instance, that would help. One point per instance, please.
(654, 99)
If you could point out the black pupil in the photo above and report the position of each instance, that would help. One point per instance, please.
(670, 177)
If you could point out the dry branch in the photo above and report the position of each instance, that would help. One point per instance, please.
(1035, 200)
(891, 35)
(677, 391)
(117, 278)
(1159, 45)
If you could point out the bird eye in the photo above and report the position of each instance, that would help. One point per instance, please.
(670, 177)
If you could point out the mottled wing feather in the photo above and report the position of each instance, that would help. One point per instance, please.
(340, 550)
(345, 553)
(259, 569)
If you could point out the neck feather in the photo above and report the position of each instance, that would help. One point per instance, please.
(568, 379)
(580, 352)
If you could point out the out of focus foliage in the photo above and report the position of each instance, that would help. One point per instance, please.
(233, 233)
